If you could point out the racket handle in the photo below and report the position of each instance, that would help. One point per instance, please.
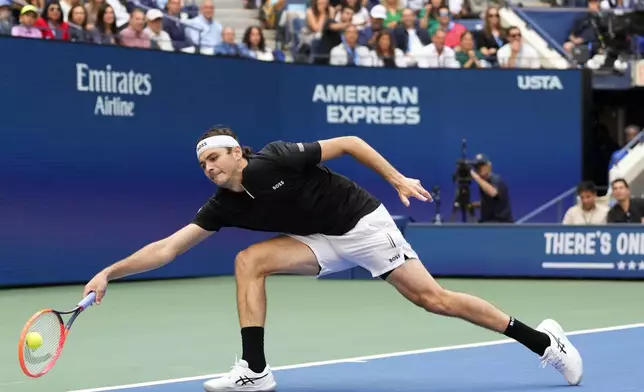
(88, 301)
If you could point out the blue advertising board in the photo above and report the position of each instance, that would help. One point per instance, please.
(97, 143)
(530, 250)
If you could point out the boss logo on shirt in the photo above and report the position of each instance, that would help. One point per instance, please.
(279, 184)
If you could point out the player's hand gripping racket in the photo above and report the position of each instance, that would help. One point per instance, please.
(43, 337)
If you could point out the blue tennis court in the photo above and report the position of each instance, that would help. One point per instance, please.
(613, 360)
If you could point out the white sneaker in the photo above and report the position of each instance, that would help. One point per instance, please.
(241, 378)
(561, 354)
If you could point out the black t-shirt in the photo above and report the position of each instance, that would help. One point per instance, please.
(634, 214)
(496, 209)
(289, 191)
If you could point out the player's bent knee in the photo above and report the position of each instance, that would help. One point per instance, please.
(247, 263)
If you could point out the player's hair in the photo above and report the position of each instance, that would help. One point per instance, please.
(223, 130)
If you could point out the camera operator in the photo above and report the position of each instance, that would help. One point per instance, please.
(495, 198)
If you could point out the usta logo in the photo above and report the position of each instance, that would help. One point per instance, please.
(538, 82)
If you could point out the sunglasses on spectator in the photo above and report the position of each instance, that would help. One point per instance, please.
(443, 13)
(515, 35)
(492, 15)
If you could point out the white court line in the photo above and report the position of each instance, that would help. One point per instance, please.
(356, 359)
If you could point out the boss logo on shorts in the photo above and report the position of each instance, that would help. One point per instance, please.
(396, 257)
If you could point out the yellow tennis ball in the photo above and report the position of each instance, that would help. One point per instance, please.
(34, 340)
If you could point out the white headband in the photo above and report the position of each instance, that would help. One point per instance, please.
(216, 141)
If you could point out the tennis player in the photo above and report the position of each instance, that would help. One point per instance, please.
(329, 224)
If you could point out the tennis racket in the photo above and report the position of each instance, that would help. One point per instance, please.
(47, 323)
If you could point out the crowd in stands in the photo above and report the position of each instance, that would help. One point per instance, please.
(148, 24)
(337, 32)
(372, 33)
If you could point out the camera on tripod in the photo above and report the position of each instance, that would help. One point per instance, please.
(463, 179)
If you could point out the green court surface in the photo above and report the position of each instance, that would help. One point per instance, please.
(148, 331)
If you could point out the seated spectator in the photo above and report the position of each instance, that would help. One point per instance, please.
(317, 16)
(409, 37)
(255, 44)
(492, 37)
(106, 32)
(177, 31)
(92, 7)
(367, 35)
(77, 18)
(51, 22)
(121, 12)
(467, 55)
(134, 35)
(516, 53)
(228, 47)
(6, 17)
(385, 54)
(211, 31)
(394, 12)
(270, 13)
(159, 39)
(27, 28)
(437, 54)
(583, 40)
(332, 35)
(587, 212)
(349, 53)
(361, 17)
(453, 31)
(627, 209)
(428, 16)
(66, 6)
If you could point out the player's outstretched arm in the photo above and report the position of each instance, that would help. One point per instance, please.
(151, 256)
(368, 156)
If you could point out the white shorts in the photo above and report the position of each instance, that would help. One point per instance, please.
(375, 244)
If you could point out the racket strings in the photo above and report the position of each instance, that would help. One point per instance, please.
(38, 359)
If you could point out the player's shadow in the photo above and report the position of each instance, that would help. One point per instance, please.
(458, 387)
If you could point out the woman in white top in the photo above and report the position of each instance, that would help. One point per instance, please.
(256, 45)
(385, 54)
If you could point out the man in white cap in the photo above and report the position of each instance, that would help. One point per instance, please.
(160, 39)
(367, 36)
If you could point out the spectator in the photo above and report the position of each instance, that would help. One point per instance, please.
(587, 212)
(583, 41)
(228, 47)
(134, 35)
(6, 17)
(385, 54)
(255, 44)
(332, 35)
(121, 12)
(360, 14)
(492, 37)
(453, 31)
(349, 53)
(176, 30)
(66, 6)
(437, 54)
(627, 209)
(516, 53)
(27, 28)
(51, 22)
(414, 5)
(394, 12)
(317, 16)
(92, 7)
(159, 39)
(428, 16)
(471, 9)
(409, 37)
(105, 32)
(631, 131)
(467, 55)
(367, 36)
(78, 31)
(211, 30)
